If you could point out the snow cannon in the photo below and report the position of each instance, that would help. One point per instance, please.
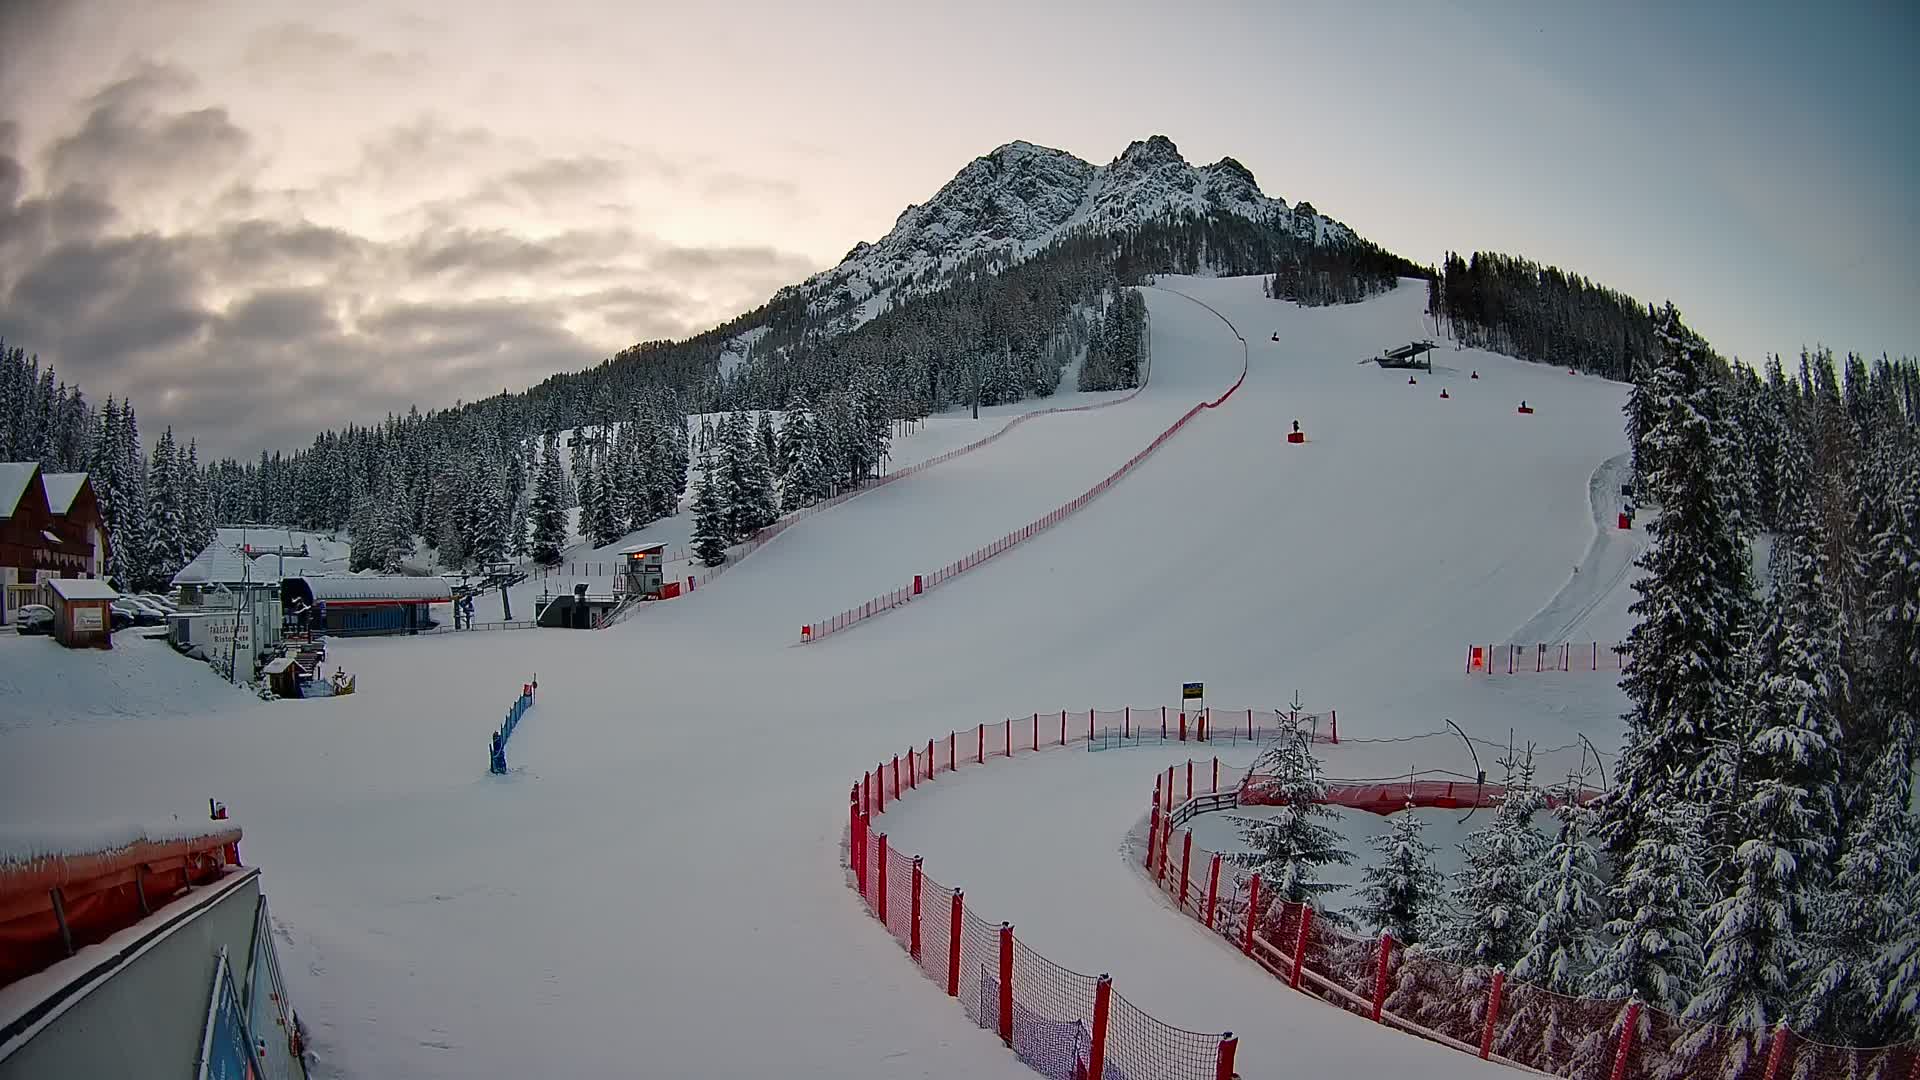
(1475, 375)
(1525, 409)
(1276, 335)
(1443, 393)
(1625, 521)
(1296, 435)
(1411, 380)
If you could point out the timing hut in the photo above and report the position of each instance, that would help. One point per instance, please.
(643, 570)
(82, 612)
(365, 604)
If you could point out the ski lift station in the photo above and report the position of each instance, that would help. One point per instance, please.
(364, 604)
(1416, 354)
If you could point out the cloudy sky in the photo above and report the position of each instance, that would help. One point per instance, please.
(263, 218)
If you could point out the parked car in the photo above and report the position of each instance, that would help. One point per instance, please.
(138, 613)
(157, 610)
(161, 602)
(33, 619)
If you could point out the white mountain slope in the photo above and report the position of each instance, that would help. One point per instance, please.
(1012, 203)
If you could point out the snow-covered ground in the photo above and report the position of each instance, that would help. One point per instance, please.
(655, 889)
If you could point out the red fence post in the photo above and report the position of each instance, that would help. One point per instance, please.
(953, 761)
(896, 775)
(880, 788)
(933, 765)
(1300, 945)
(855, 852)
(1216, 775)
(1493, 1011)
(1089, 725)
(913, 947)
(1380, 976)
(1169, 791)
(1625, 1052)
(1126, 721)
(1186, 866)
(882, 904)
(913, 770)
(1183, 725)
(1153, 824)
(1009, 736)
(1253, 914)
(1334, 716)
(866, 791)
(1097, 1048)
(1777, 1053)
(1213, 888)
(1036, 731)
(1163, 723)
(1223, 1066)
(1189, 779)
(1063, 727)
(1006, 983)
(953, 944)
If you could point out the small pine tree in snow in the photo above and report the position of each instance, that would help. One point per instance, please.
(1655, 954)
(1491, 913)
(1399, 890)
(547, 517)
(709, 537)
(1291, 846)
(1565, 941)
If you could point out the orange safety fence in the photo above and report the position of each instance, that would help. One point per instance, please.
(54, 904)
(1475, 1010)
(1061, 1023)
(1543, 657)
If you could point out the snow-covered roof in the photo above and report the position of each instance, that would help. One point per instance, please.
(216, 566)
(82, 589)
(61, 488)
(356, 587)
(638, 549)
(14, 478)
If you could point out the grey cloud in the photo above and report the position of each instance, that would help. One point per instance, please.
(279, 315)
(755, 261)
(126, 141)
(109, 302)
(257, 245)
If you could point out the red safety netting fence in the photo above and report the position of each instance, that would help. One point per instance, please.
(1061, 1023)
(922, 582)
(1543, 657)
(1472, 1009)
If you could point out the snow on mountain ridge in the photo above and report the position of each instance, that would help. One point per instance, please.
(1018, 199)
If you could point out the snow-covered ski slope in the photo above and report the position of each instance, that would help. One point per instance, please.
(654, 889)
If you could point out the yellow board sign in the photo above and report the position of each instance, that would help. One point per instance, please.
(1193, 690)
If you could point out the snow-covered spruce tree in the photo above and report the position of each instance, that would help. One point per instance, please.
(763, 434)
(1399, 891)
(165, 534)
(607, 526)
(1656, 890)
(1565, 943)
(547, 517)
(709, 529)
(1864, 943)
(1292, 844)
(810, 479)
(1490, 913)
(1682, 678)
(392, 523)
(1890, 569)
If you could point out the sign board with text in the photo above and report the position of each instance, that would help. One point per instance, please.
(89, 618)
(1193, 691)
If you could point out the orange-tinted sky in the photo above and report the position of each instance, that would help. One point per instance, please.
(264, 218)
